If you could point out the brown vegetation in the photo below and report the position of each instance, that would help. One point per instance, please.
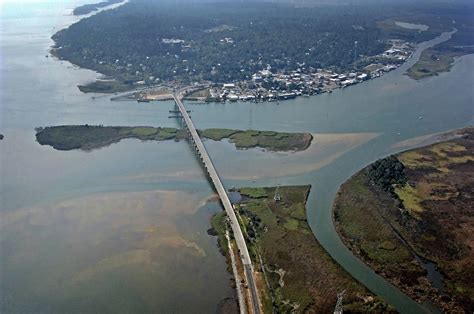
(430, 217)
(299, 275)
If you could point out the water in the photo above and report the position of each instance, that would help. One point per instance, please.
(433, 274)
(121, 229)
(124, 227)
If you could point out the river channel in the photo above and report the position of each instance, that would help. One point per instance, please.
(124, 227)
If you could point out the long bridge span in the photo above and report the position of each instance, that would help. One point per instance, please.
(224, 197)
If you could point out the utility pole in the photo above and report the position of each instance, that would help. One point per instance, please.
(355, 54)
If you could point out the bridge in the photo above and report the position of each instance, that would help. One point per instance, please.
(224, 197)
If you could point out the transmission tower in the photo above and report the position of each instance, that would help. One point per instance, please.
(338, 307)
(277, 196)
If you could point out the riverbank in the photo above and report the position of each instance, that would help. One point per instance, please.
(294, 271)
(88, 137)
(419, 235)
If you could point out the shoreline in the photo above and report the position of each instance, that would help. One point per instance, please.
(49, 47)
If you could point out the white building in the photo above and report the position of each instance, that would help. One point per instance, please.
(233, 97)
(266, 73)
(229, 86)
(256, 78)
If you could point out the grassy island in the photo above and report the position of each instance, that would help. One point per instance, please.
(274, 141)
(405, 211)
(431, 63)
(87, 137)
(294, 264)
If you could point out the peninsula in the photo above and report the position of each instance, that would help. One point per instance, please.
(420, 233)
(258, 52)
(294, 271)
(88, 137)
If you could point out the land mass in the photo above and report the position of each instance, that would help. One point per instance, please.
(294, 272)
(88, 137)
(268, 50)
(441, 57)
(410, 217)
(88, 8)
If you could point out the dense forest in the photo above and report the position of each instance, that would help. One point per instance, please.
(386, 172)
(225, 41)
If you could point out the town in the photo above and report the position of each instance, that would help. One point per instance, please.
(268, 86)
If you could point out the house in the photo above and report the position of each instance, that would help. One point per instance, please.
(232, 97)
(287, 96)
(229, 86)
(389, 67)
(266, 73)
(390, 52)
(347, 82)
(256, 78)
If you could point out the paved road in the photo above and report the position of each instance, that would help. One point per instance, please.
(239, 237)
(238, 286)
